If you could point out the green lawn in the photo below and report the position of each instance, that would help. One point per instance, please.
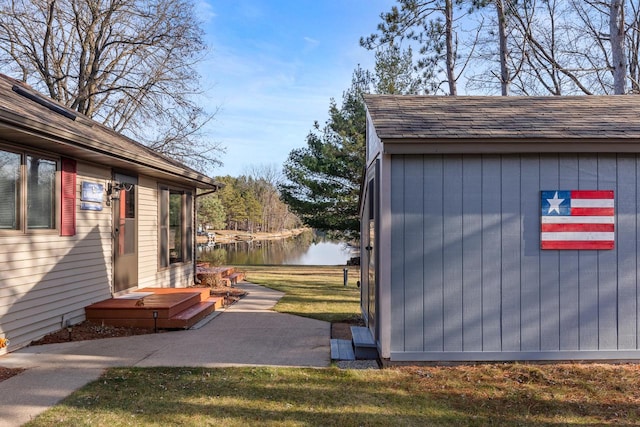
(483, 395)
(316, 292)
(479, 395)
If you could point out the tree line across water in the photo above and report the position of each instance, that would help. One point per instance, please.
(250, 202)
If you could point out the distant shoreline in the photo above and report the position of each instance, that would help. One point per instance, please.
(231, 236)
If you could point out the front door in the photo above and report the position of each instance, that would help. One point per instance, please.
(125, 233)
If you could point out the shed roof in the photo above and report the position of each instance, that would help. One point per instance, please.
(511, 121)
(34, 121)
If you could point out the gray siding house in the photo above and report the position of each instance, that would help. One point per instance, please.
(455, 263)
(85, 214)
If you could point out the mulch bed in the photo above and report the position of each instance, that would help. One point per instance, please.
(90, 331)
(6, 373)
(342, 330)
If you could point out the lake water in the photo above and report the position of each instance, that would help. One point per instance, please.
(306, 249)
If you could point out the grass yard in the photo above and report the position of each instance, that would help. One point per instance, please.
(480, 395)
(483, 395)
(316, 292)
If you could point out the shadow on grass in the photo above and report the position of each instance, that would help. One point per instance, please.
(328, 397)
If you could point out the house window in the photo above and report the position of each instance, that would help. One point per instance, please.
(175, 227)
(9, 190)
(28, 184)
(41, 193)
(175, 243)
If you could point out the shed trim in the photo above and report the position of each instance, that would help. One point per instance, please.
(505, 356)
(490, 146)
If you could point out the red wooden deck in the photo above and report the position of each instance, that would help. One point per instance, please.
(218, 276)
(175, 308)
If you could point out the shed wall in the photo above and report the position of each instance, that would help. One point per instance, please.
(469, 280)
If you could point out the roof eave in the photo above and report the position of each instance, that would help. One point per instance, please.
(85, 148)
(403, 145)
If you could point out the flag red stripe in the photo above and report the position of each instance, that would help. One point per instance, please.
(580, 244)
(592, 211)
(591, 194)
(577, 227)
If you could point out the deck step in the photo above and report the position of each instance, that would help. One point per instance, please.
(192, 315)
(364, 345)
(164, 308)
(342, 350)
(235, 278)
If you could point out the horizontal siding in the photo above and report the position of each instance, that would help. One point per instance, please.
(148, 233)
(467, 271)
(46, 278)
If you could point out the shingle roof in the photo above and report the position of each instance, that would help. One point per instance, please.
(50, 128)
(469, 118)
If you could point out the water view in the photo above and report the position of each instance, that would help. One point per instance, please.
(305, 249)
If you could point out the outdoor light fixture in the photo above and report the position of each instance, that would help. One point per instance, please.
(155, 322)
(114, 188)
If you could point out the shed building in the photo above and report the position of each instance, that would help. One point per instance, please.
(455, 208)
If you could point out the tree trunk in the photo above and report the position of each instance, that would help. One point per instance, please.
(505, 75)
(451, 54)
(618, 60)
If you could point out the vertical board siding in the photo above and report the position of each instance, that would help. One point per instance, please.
(433, 193)
(452, 249)
(569, 265)
(549, 266)
(588, 266)
(467, 271)
(511, 237)
(626, 208)
(398, 281)
(491, 254)
(530, 253)
(607, 268)
(471, 253)
(413, 250)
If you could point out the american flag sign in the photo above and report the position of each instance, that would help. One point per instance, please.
(577, 219)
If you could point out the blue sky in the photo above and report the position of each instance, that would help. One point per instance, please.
(274, 65)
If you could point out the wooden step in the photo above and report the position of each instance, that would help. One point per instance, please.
(164, 308)
(165, 305)
(191, 316)
(342, 350)
(236, 277)
(364, 345)
(204, 292)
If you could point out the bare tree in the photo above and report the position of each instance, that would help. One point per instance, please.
(529, 47)
(572, 47)
(127, 63)
(430, 24)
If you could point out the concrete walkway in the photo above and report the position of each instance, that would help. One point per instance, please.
(246, 334)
